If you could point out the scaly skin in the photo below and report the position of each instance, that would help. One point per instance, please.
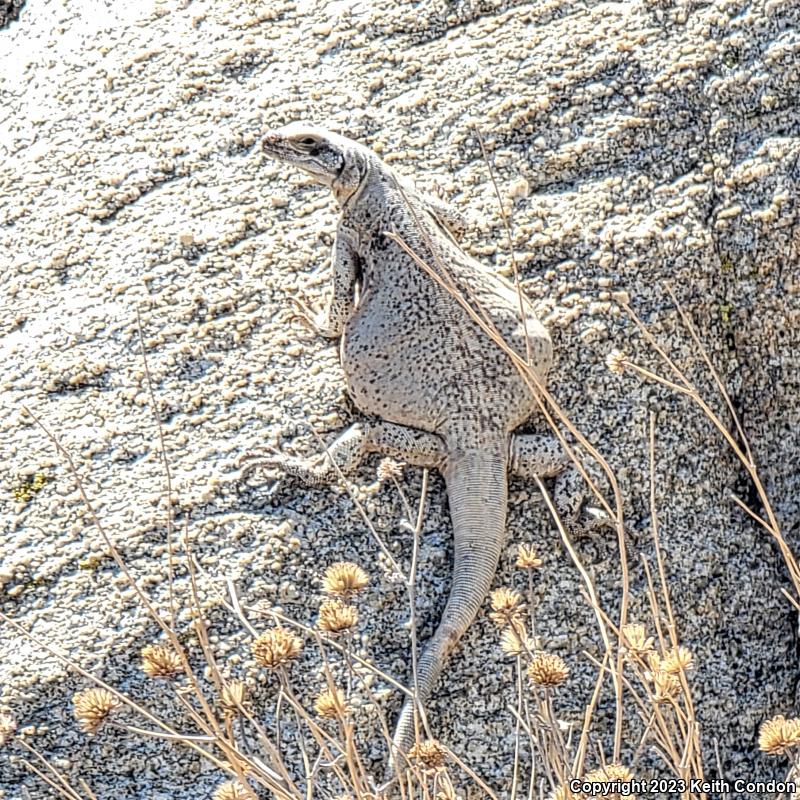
(444, 394)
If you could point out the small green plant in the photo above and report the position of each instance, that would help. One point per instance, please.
(27, 488)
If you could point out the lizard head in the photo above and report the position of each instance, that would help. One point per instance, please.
(330, 159)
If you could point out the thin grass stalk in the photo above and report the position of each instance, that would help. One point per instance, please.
(662, 572)
(53, 784)
(517, 729)
(538, 747)
(124, 699)
(419, 712)
(335, 645)
(280, 773)
(403, 499)
(200, 628)
(359, 507)
(235, 607)
(169, 733)
(591, 590)
(473, 775)
(559, 758)
(651, 715)
(523, 317)
(690, 391)
(319, 733)
(349, 727)
(580, 752)
(167, 471)
(120, 562)
(714, 373)
(106, 539)
(62, 785)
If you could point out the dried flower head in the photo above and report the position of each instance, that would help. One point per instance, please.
(615, 361)
(92, 707)
(665, 686)
(515, 642)
(678, 659)
(389, 468)
(234, 696)
(335, 616)
(636, 640)
(276, 648)
(160, 662)
(428, 754)
(344, 579)
(230, 790)
(330, 704)
(778, 734)
(548, 670)
(507, 607)
(527, 558)
(610, 772)
(7, 727)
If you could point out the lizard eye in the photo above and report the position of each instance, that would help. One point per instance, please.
(307, 141)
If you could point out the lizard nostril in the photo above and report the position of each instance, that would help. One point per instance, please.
(270, 139)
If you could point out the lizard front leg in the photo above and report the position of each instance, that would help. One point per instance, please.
(447, 216)
(344, 266)
(415, 447)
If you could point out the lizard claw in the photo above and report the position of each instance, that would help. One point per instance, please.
(594, 520)
(310, 319)
(269, 458)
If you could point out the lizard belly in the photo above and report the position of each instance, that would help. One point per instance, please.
(388, 377)
(425, 371)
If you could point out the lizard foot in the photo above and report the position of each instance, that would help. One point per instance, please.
(594, 521)
(315, 321)
(254, 460)
(312, 472)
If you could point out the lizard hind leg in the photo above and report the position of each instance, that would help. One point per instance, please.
(542, 456)
(319, 470)
(348, 450)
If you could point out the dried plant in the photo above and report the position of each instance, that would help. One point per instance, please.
(331, 704)
(507, 608)
(336, 617)
(276, 648)
(160, 662)
(548, 670)
(428, 754)
(778, 735)
(527, 557)
(344, 579)
(93, 707)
